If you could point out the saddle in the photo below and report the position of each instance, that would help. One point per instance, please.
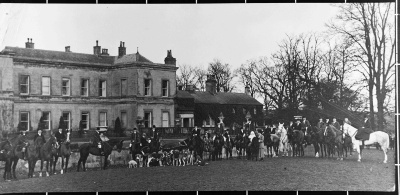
(363, 134)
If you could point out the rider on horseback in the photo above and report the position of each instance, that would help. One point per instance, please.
(39, 134)
(98, 139)
(60, 136)
(321, 123)
(335, 123)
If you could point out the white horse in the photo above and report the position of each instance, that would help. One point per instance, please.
(376, 137)
(284, 142)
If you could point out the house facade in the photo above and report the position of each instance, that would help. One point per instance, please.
(85, 89)
(210, 106)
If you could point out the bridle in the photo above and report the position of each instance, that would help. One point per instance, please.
(347, 132)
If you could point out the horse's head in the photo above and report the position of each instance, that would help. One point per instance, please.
(119, 145)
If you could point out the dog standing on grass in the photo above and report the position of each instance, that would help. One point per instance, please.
(176, 160)
(132, 164)
(139, 160)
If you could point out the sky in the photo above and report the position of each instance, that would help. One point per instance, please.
(196, 34)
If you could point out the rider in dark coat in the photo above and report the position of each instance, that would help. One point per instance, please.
(321, 123)
(335, 123)
(305, 125)
(39, 133)
(297, 125)
(97, 142)
(143, 141)
(60, 136)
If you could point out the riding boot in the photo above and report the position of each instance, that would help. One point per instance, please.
(101, 151)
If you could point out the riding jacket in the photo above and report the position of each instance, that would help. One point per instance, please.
(336, 125)
(60, 136)
(367, 124)
(135, 137)
(320, 124)
(37, 135)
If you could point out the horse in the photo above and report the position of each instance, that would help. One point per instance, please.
(46, 153)
(330, 139)
(348, 145)
(33, 154)
(18, 147)
(228, 145)
(198, 148)
(64, 153)
(271, 142)
(217, 148)
(376, 137)
(283, 141)
(89, 148)
(337, 141)
(6, 155)
(297, 141)
(238, 143)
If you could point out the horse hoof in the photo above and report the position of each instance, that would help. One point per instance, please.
(40, 174)
(62, 172)
(385, 162)
(47, 174)
(358, 160)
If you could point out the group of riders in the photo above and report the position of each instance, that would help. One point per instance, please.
(249, 141)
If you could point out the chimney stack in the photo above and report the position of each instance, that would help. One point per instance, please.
(169, 59)
(247, 89)
(97, 48)
(30, 45)
(121, 49)
(211, 84)
(67, 49)
(104, 52)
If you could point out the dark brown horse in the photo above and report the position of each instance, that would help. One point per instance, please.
(297, 142)
(32, 155)
(47, 153)
(89, 148)
(337, 140)
(348, 145)
(239, 145)
(64, 152)
(6, 155)
(18, 147)
(271, 142)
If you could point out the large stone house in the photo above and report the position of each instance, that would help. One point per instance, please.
(92, 88)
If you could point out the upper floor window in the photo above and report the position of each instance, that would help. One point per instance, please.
(233, 110)
(102, 88)
(147, 87)
(45, 85)
(66, 87)
(85, 87)
(255, 111)
(124, 87)
(165, 86)
(24, 85)
(244, 110)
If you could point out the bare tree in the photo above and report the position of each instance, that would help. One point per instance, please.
(370, 28)
(223, 75)
(185, 75)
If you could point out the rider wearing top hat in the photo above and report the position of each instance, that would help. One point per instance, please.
(143, 140)
(297, 125)
(135, 137)
(97, 141)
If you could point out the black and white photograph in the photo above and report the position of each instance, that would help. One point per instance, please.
(213, 97)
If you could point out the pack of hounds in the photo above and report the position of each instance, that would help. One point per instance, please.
(167, 158)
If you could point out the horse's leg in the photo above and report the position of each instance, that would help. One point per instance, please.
(14, 166)
(105, 161)
(66, 163)
(62, 165)
(53, 165)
